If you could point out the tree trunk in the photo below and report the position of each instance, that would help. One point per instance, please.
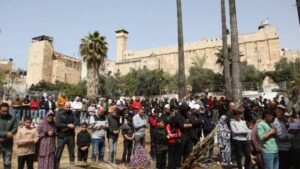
(226, 67)
(236, 79)
(181, 69)
(92, 81)
(298, 8)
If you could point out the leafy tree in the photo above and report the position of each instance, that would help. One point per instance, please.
(93, 50)
(251, 77)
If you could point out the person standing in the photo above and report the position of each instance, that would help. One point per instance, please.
(46, 159)
(42, 108)
(99, 126)
(128, 135)
(7, 100)
(161, 137)
(174, 134)
(26, 138)
(76, 107)
(136, 106)
(26, 107)
(65, 122)
(140, 125)
(8, 127)
(267, 139)
(17, 107)
(208, 127)
(113, 133)
(62, 100)
(241, 139)
(50, 104)
(34, 105)
(283, 138)
(83, 142)
(224, 135)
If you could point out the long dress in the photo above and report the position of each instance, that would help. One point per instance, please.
(46, 159)
(224, 140)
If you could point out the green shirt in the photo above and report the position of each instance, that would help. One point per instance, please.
(269, 145)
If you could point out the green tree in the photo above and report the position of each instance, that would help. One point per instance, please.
(181, 69)
(93, 50)
(251, 77)
(235, 72)
(225, 63)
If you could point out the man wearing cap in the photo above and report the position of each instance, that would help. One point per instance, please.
(196, 122)
(167, 114)
(283, 138)
(267, 139)
(241, 139)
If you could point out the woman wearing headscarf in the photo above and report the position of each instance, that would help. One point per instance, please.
(46, 159)
(224, 140)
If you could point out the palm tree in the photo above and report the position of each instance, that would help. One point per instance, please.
(226, 68)
(298, 8)
(199, 62)
(93, 50)
(235, 72)
(181, 69)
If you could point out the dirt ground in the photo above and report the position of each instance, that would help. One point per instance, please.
(65, 157)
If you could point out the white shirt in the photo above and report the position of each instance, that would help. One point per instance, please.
(240, 131)
(76, 105)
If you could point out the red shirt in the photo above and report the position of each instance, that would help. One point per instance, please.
(34, 105)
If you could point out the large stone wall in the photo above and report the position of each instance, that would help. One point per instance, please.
(261, 49)
(44, 64)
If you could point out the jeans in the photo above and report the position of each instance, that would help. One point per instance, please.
(161, 159)
(26, 113)
(77, 115)
(34, 114)
(6, 155)
(242, 147)
(61, 142)
(139, 140)
(42, 113)
(83, 116)
(271, 160)
(29, 159)
(127, 151)
(17, 113)
(98, 148)
(112, 150)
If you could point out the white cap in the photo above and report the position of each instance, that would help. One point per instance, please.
(167, 106)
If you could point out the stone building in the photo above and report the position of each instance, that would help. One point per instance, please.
(291, 55)
(261, 49)
(6, 68)
(44, 64)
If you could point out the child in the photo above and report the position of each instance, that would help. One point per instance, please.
(83, 142)
(161, 138)
(128, 135)
(173, 143)
(26, 139)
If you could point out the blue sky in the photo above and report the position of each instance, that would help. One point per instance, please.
(151, 23)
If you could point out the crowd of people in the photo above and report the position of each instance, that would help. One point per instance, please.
(257, 134)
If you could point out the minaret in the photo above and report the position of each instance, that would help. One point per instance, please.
(39, 65)
(122, 36)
